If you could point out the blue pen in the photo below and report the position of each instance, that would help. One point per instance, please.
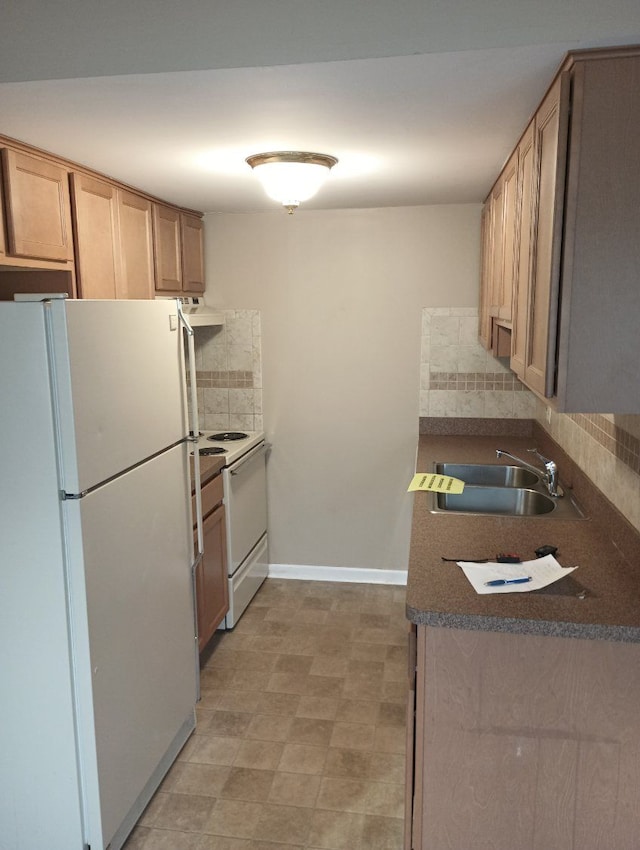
(500, 581)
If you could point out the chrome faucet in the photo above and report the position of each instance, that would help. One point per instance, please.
(550, 474)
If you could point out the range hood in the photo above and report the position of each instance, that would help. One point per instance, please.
(196, 310)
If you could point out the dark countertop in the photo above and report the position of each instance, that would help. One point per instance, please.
(439, 594)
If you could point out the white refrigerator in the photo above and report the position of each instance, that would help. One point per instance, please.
(98, 659)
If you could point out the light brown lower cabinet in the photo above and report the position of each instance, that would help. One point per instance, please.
(523, 741)
(212, 593)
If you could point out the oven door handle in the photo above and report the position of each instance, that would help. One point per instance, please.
(251, 455)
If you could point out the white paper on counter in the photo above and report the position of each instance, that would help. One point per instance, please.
(543, 571)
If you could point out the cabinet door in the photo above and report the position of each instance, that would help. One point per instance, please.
(95, 212)
(484, 327)
(3, 244)
(38, 207)
(550, 145)
(136, 245)
(497, 231)
(523, 254)
(509, 237)
(412, 733)
(166, 237)
(212, 589)
(192, 253)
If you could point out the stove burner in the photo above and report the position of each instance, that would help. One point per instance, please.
(211, 450)
(225, 436)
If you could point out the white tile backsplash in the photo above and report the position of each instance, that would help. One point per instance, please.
(458, 377)
(606, 447)
(229, 372)
(445, 330)
(239, 357)
(444, 358)
(215, 400)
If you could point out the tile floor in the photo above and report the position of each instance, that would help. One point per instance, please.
(301, 729)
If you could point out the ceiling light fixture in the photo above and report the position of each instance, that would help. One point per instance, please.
(291, 176)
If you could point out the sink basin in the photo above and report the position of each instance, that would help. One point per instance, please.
(509, 501)
(489, 474)
(506, 501)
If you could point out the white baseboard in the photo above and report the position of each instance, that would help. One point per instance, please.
(351, 574)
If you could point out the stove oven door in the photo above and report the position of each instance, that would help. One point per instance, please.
(245, 490)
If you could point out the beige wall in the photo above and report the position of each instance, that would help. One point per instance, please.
(341, 295)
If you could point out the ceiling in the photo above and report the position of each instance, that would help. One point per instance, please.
(420, 101)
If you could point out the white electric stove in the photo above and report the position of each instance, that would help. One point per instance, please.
(245, 497)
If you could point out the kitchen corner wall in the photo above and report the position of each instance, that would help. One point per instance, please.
(340, 295)
(458, 377)
(606, 447)
(229, 373)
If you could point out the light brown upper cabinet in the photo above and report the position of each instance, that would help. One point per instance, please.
(3, 244)
(576, 299)
(95, 213)
(110, 239)
(114, 242)
(192, 253)
(521, 288)
(484, 326)
(38, 208)
(136, 245)
(538, 273)
(499, 242)
(166, 237)
(504, 293)
(178, 240)
(598, 340)
(497, 247)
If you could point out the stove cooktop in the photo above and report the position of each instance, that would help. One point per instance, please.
(211, 450)
(228, 436)
(230, 445)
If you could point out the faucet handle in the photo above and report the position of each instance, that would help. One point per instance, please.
(541, 457)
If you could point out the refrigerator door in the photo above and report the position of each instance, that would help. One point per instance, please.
(130, 586)
(40, 794)
(119, 385)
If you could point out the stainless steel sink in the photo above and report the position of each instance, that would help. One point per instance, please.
(489, 474)
(496, 490)
(508, 501)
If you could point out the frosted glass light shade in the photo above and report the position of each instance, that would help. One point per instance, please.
(291, 177)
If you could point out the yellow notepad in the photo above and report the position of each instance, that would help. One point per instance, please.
(430, 481)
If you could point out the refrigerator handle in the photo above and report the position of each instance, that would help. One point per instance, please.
(195, 428)
(194, 425)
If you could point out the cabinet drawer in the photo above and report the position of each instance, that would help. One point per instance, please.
(211, 496)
